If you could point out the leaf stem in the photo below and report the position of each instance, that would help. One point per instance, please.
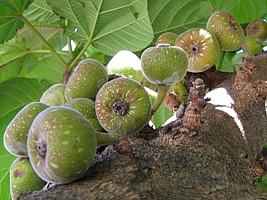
(80, 54)
(52, 50)
(162, 91)
(44, 51)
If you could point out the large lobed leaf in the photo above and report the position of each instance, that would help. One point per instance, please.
(109, 25)
(244, 10)
(10, 13)
(177, 16)
(40, 11)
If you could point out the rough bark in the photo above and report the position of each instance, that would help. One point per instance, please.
(209, 159)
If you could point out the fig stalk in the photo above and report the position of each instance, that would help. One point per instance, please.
(162, 91)
(103, 138)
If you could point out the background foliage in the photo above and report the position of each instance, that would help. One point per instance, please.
(34, 32)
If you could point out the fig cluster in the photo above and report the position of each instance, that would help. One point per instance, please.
(56, 138)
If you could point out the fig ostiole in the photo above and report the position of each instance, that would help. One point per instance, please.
(163, 65)
(16, 133)
(257, 28)
(23, 178)
(122, 106)
(201, 47)
(61, 144)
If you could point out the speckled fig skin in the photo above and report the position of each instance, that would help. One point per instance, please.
(61, 144)
(123, 106)
(202, 48)
(54, 96)
(227, 30)
(164, 64)
(23, 178)
(86, 79)
(257, 28)
(16, 133)
(87, 108)
(252, 46)
(167, 38)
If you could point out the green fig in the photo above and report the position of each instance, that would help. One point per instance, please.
(16, 133)
(257, 28)
(122, 106)
(86, 79)
(227, 30)
(164, 64)
(54, 96)
(23, 178)
(202, 48)
(61, 144)
(87, 108)
(252, 46)
(167, 38)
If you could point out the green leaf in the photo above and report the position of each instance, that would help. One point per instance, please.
(18, 68)
(161, 115)
(169, 15)
(10, 13)
(10, 53)
(4, 185)
(92, 52)
(48, 68)
(40, 11)
(109, 26)
(244, 10)
(231, 61)
(53, 34)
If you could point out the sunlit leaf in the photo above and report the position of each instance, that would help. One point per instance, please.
(110, 25)
(40, 11)
(177, 16)
(243, 10)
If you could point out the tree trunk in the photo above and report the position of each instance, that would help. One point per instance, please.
(202, 155)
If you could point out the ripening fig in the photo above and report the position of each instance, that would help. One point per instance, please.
(16, 133)
(167, 38)
(86, 79)
(87, 108)
(122, 106)
(61, 144)
(202, 48)
(164, 64)
(227, 30)
(257, 28)
(23, 178)
(252, 46)
(54, 96)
